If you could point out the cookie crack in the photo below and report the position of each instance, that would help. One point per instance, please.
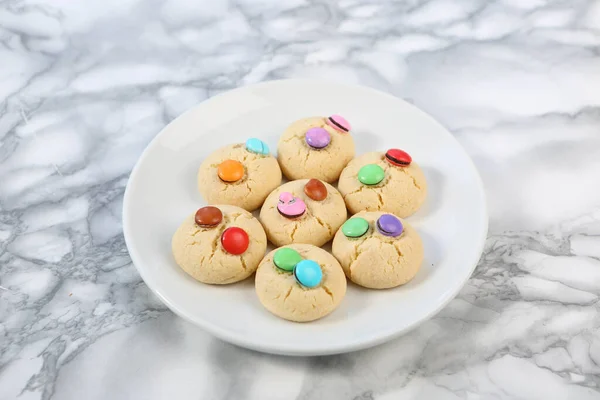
(291, 138)
(215, 242)
(247, 184)
(357, 252)
(288, 294)
(379, 200)
(400, 255)
(244, 217)
(296, 226)
(414, 181)
(328, 291)
(360, 189)
(306, 157)
(323, 224)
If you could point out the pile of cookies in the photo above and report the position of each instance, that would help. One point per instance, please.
(374, 248)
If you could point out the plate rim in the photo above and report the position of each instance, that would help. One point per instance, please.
(354, 345)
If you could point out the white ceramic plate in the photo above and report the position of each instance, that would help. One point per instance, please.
(162, 191)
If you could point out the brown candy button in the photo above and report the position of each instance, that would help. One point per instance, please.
(209, 216)
(315, 189)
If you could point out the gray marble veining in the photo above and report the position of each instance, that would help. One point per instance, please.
(85, 85)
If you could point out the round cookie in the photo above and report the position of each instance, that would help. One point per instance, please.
(299, 160)
(372, 256)
(374, 182)
(311, 213)
(219, 244)
(239, 174)
(280, 291)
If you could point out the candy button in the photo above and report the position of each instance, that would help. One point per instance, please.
(235, 240)
(339, 123)
(286, 259)
(315, 189)
(355, 227)
(290, 206)
(371, 174)
(208, 217)
(389, 225)
(257, 146)
(317, 138)
(398, 157)
(230, 171)
(308, 273)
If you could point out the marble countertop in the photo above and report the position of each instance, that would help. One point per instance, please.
(85, 85)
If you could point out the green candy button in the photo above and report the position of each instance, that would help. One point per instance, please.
(286, 259)
(355, 227)
(371, 174)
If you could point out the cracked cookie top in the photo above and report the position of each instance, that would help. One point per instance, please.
(219, 244)
(239, 174)
(316, 147)
(374, 182)
(323, 212)
(377, 250)
(290, 293)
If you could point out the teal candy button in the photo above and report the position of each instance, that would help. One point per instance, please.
(308, 273)
(257, 146)
(371, 174)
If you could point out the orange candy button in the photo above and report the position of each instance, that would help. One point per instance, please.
(230, 171)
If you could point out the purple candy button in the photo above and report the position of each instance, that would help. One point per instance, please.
(317, 138)
(389, 225)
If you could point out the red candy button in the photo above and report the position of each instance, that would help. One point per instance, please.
(235, 240)
(398, 157)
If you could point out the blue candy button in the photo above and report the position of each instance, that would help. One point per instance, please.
(308, 273)
(257, 146)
